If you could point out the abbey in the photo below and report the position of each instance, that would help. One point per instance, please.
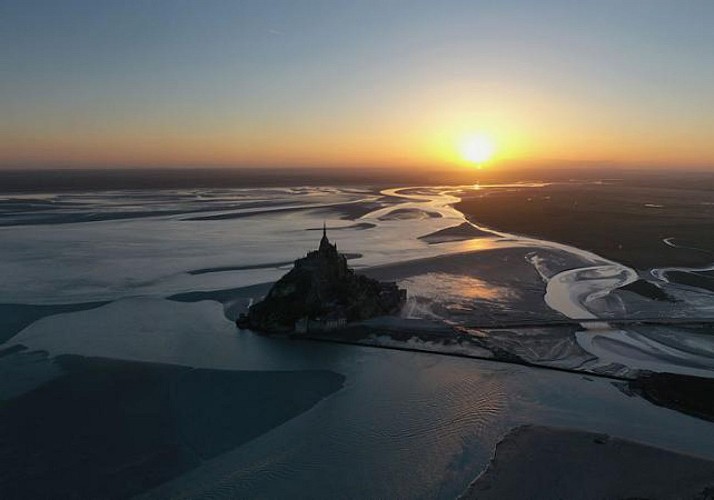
(322, 293)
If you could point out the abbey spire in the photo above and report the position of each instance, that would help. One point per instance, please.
(324, 242)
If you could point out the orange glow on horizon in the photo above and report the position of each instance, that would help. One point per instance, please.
(424, 131)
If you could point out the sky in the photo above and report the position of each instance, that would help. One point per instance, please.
(89, 83)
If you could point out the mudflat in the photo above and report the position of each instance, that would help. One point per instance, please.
(534, 462)
(112, 429)
(623, 222)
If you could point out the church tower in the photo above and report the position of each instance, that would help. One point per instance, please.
(325, 245)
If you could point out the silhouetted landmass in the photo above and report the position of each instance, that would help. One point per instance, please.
(648, 290)
(223, 295)
(322, 289)
(56, 180)
(13, 349)
(621, 222)
(206, 270)
(410, 213)
(684, 393)
(465, 231)
(360, 226)
(538, 462)
(220, 269)
(74, 218)
(111, 429)
(15, 317)
(694, 279)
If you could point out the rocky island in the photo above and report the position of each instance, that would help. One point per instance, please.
(321, 293)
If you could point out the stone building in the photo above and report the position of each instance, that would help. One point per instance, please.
(322, 293)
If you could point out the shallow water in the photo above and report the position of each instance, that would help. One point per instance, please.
(405, 424)
(75, 248)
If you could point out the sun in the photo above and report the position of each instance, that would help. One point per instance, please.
(477, 148)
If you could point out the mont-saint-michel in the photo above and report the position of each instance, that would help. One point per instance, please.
(124, 373)
(322, 293)
(368, 249)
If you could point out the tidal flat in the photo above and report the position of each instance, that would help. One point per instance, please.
(626, 222)
(107, 428)
(544, 463)
(143, 307)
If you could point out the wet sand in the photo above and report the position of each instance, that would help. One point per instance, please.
(359, 226)
(462, 232)
(647, 290)
(489, 287)
(15, 317)
(699, 280)
(534, 462)
(624, 223)
(505, 270)
(512, 289)
(269, 265)
(112, 429)
(349, 211)
(686, 394)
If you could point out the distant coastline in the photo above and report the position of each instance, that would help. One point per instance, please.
(548, 463)
(34, 180)
(610, 219)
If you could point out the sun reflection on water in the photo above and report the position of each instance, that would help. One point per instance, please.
(477, 244)
(454, 288)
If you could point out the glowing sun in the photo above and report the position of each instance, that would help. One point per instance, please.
(477, 148)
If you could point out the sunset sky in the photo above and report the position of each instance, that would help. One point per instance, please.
(384, 83)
